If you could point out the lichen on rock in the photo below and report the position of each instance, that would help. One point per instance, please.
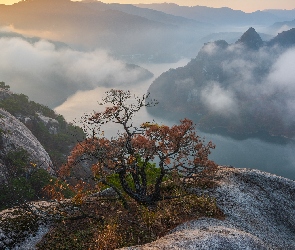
(259, 213)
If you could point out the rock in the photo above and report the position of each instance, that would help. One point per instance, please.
(251, 39)
(15, 135)
(23, 227)
(260, 214)
(31, 241)
(109, 192)
(5, 93)
(52, 124)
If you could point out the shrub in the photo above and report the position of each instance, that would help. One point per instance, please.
(180, 152)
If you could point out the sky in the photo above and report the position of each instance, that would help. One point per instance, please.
(247, 6)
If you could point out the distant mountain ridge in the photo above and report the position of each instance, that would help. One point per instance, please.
(157, 33)
(289, 14)
(219, 16)
(281, 26)
(122, 29)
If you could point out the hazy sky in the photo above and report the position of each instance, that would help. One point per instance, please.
(245, 5)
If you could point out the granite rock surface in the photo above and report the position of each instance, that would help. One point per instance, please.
(260, 214)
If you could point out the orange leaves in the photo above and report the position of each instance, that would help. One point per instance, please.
(131, 159)
(177, 148)
(81, 192)
(102, 116)
(142, 144)
(91, 146)
(167, 161)
(96, 169)
(55, 190)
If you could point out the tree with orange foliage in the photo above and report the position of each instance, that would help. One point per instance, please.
(178, 151)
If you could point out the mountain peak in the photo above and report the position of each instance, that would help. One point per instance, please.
(251, 39)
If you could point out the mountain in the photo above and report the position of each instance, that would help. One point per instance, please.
(217, 16)
(243, 90)
(157, 32)
(121, 29)
(284, 14)
(278, 27)
(153, 15)
(14, 136)
(25, 166)
(285, 39)
(51, 130)
(34, 142)
(251, 39)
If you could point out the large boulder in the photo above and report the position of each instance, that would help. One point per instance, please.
(14, 135)
(260, 214)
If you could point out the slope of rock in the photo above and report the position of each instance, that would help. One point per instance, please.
(15, 135)
(260, 214)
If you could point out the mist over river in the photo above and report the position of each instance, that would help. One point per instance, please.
(276, 158)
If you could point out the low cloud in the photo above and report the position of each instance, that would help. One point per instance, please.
(219, 99)
(258, 83)
(49, 75)
(210, 48)
(283, 28)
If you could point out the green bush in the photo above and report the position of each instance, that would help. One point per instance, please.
(25, 181)
(58, 145)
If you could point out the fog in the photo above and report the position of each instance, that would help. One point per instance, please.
(49, 75)
(74, 81)
(87, 101)
(253, 81)
(249, 153)
(218, 99)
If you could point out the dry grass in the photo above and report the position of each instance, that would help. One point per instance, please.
(118, 227)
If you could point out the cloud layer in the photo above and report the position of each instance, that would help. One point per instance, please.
(49, 75)
(252, 82)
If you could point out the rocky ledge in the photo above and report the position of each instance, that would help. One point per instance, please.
(259, 213)
(15, 135)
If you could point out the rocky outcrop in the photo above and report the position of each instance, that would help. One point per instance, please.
(251, 39)
(51, 124)
(15, 135)
(260, 214)
(24, 226)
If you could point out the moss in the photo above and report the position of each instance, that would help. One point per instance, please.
(17, 225)
(57, 145)
(25, 182)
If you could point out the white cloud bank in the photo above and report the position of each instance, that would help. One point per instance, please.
(253, 82)
(218, 99)
(49, 75)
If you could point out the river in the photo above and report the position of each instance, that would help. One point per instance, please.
(248, 153)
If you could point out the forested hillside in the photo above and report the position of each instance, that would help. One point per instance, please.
(54, 133)
(245, 88)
